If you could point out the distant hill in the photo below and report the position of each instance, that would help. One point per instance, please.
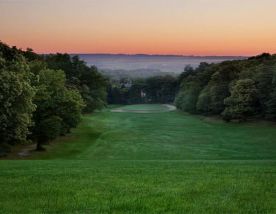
(142, 65)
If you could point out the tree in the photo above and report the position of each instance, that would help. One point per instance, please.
(49, 129)
(203, 102)
(135, 92)
(243, 101)
(187, 97)
(271, 102)
(219, 85)
(161, 89)
(264, 82)
(16, 94)
(69, 107)
(214, 81)
(93, 88)
(188, 70)
(191, 86)
(271, 106)
(88, 80)
(56, 105)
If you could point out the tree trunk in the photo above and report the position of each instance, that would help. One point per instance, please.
(39, 147)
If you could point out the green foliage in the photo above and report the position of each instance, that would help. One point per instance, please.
(216, 81)
(90, 83)
(192, 84)
(271, 105)
(186, 100)
(39, 103)
(188, 70)
(16, 94)
(243, 101)
(50, 128)
(30, 55)
(263, 75)
(135, 92)
(117, 95)
(9, 54)
(93, 89)
(158, 89)
(263, 78)
(203, 102)
(219, 86)
(69, 107)
(271, 102)
(54, 101)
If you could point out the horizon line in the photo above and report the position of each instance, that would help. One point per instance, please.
(144, 54)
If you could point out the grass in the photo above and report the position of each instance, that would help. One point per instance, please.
(167, 162)
(141, 107)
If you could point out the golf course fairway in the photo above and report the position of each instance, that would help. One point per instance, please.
(147, 159)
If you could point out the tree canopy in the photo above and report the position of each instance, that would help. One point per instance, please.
(237, 89)
(42, 97)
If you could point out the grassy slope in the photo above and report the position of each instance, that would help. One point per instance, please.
(148, 163)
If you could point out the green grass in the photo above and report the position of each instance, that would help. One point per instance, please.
(142, 107)
(147, 163)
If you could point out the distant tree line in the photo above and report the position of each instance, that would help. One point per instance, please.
(134, 73)
(43, 97)
(235, 90)
(157, 89)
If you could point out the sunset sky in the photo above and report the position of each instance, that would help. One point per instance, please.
(188, 27)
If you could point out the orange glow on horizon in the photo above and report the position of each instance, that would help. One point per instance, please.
(191, 27)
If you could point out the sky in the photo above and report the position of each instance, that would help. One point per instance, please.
(186, 27)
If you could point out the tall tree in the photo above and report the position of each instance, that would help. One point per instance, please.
(58, 108)
(243, 101)
(16, 94)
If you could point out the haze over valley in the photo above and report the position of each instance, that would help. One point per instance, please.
(148, 65)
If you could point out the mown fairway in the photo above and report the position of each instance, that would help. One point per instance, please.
(166, 162)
